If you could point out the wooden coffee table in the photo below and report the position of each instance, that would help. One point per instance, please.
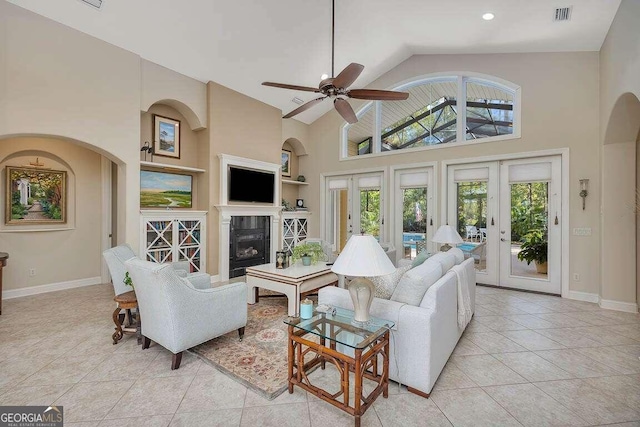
(293, 281)
(361, 347)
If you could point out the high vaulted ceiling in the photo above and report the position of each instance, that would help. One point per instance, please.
(241, 43)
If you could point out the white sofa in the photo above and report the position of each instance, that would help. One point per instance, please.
(424, 336)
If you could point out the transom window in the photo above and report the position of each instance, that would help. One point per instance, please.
(432, 117)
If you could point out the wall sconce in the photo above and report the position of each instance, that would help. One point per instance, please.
(147, 148)
(584, 190)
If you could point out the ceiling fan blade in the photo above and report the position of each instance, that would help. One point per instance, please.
(345, 110)
(292, 87)
(348, 75)
(377, 95)
(304, 107)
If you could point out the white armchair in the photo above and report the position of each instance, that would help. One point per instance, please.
(179, 316)
(115, 258)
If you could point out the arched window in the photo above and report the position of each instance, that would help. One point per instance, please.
(433, 117)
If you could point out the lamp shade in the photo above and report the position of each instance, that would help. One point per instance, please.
(447, 234)
(363, 256)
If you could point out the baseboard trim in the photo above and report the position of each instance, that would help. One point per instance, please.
(51, 287)
(628, 307)
(584, 296)
(215, 279)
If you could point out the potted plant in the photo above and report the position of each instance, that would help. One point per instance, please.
(309, 253)
(534, 248)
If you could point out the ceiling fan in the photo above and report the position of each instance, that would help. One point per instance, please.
(338, 87)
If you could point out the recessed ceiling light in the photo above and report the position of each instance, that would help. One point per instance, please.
(324, 76)
(488, 16)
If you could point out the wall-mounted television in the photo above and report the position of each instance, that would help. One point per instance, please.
(246, 185)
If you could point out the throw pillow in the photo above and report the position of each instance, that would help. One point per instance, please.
(457, 252)
(420, 258)
(446, 259)
(415, 282)
(385, 285)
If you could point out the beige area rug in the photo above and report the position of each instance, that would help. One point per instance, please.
(260, 360)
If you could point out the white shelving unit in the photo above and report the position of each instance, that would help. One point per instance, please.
(293, 182)
(163, 166)
(295, 227)
(168, 236)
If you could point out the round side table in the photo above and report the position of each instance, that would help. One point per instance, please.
(126, 301)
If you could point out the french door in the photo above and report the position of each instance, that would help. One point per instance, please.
(509, 214)
(354, 205)
(413, 206)
(530, 228)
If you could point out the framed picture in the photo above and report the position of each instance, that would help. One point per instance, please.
(286, 163)
(35, 196)
(166, 136)
(165, 190)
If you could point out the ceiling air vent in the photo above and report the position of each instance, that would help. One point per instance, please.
(95, 3)
(562, 14)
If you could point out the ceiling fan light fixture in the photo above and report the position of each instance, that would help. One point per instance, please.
(324, 76)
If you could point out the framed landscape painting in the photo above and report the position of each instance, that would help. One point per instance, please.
(166, 136)
(286, 163)
(165, 190)
(35, 196)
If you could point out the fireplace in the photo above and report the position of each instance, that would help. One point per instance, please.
(249, 243)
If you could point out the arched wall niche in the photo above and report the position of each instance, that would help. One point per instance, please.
(192, 119)
(298, 147)
(619, 252)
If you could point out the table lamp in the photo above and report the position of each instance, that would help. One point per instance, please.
(362, 256)
(448, 235)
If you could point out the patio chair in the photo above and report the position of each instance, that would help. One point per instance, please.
(472, 232)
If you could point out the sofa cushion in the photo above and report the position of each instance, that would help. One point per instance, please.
(446, 259)
(385, 285)
(457, 252)
(420, 258)
(415, 282)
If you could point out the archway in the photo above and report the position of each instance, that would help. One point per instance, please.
(619, 247)
(67, 254)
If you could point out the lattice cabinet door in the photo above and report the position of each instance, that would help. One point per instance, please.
(294, 230)
(159, 241)
(189, 243)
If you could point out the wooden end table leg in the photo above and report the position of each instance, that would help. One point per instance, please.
(358, 391)
(385, 366)
(117, 335)
(290, 359)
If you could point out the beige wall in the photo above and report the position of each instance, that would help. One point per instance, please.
(189, 96)
(72, 252)
(559, 109)
(619, 126)
(56, 81)
(239, 126)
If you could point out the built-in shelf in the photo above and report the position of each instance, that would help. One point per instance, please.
(164, 166)
(292, 182)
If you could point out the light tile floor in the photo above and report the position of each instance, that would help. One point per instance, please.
(525, 359)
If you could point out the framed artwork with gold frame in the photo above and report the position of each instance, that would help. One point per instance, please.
(35, 196)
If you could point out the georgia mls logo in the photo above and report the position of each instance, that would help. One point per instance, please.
(31, 416)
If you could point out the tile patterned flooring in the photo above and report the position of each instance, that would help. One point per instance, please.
(525, 359)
